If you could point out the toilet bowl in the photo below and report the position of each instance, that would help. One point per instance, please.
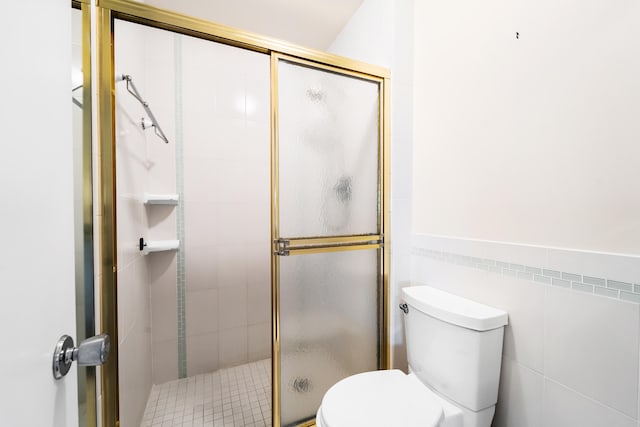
(383, 399)
(454, 349)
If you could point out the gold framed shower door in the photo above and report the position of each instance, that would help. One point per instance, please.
(106, 13)
(300, 246)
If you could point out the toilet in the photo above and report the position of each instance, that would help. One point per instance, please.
(454, 349)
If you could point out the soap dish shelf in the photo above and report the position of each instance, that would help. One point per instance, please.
(161, 199)
(151, 246)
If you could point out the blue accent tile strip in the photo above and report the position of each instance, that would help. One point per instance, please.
(594, 281)
(552, 273)
(180, 279)
(592, 285)
(611, 293)
(623, 286)
(533, 270)
(572, 277)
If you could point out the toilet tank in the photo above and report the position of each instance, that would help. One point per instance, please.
(454, 345)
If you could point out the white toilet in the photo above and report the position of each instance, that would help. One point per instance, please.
(454, 348)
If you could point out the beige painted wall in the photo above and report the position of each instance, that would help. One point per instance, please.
(532, 139)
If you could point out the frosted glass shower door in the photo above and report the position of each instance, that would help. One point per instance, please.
(329, 149)
(328, 257)
(328, 325)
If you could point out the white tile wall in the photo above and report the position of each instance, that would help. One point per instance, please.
(231, 260)
(165, 361)
(202, 353)
(233, 346)
(591, 345)
(520, 396)
(570, 358)
(203, 311)
(135, 375)
(134, 302)
(232, 313)
(258, 293)
(259, 341)
(164, 312)
(564, 407)
(226, 174)
(200, 269)
(227, 209)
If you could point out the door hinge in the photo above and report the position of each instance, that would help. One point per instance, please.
(281, 247)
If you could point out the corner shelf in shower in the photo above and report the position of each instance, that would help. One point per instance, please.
(161, 199)
(150, 246)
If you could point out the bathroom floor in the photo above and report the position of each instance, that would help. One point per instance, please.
(232, 397)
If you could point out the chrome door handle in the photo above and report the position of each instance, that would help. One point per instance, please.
(93, 351)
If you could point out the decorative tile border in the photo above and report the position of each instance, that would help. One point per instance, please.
(579, 282)
(180, 279)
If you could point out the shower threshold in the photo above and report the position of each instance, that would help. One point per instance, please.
(232, 397)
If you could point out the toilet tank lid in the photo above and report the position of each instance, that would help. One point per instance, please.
(454, 309)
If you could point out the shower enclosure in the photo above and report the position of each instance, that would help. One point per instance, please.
(248, 243)
(192, 186)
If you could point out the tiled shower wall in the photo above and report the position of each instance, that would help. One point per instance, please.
(161, 219)
(138, 166)
(223, 113)
(225, 109)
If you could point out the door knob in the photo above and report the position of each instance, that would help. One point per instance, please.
(93, 351)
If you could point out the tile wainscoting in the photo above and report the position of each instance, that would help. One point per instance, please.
(572, 346)
(580, 282)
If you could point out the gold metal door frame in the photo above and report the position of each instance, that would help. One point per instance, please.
(106, 13)
(85, 310)
(313, 245)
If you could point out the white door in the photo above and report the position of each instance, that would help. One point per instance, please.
(37, 302)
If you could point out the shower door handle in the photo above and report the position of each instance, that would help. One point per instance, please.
(93, 351)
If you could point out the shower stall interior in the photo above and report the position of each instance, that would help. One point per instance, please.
(193, 222)
(251, 212)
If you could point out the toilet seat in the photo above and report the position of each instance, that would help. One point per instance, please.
(380, 399)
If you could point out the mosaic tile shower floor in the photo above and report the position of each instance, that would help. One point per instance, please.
(232, 397)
